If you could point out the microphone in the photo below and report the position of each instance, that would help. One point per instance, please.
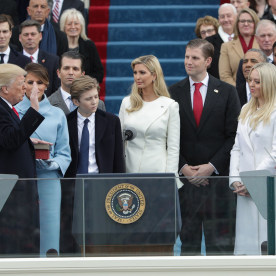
(129, 134)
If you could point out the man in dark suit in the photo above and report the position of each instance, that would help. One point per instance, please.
(227, 16)
(251, 57)
(18, 218)
(209, 110)
(70, 68)
(53, 40)
(30, 36)
(7, 53)
(64, 5)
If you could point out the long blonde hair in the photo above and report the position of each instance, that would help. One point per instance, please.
(251, 111)
(159, 85)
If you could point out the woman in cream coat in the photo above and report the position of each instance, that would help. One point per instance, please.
(256, 132)
(154, 116)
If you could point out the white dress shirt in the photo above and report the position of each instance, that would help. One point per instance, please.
(248, 93)
(92, 167)
(34, 55)
(7, 54)
(202, 90)
(66, 97)
(224, 36)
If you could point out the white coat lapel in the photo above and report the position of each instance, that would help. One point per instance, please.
(245, 130)
(159, 107)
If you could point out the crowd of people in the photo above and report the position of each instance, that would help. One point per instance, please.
(215, 123)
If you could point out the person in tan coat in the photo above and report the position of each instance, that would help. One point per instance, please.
(233, 51)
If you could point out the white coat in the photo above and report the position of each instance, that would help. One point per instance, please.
(248, 154)
(155, 149)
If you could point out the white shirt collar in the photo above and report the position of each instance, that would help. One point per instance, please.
(34, 55)
(81, 118)
(64, 94)
(204, 81)
(7, 52)
(6, 102)
(224, 36)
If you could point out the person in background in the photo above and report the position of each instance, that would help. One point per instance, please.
(274, 52)
(240, 4)
(206, 26)
(233, 51)
(270, 11)
(53, 40)
(19, 227)
(73, 24)
(54, 130)
(226, 16)
(7, 53)
(256, 134)
(153, 116)
(252, 57)
(30, 37)
(70, 68)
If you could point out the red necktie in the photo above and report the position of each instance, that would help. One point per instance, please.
(15, 111)
(198, 104)
(32, 58)
(56, 12)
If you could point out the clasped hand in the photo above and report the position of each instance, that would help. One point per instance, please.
(240, 189)
(196, 174)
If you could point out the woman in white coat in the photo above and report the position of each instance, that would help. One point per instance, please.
(154, 117)
(256, 132)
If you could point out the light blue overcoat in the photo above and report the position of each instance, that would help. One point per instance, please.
(53, 129)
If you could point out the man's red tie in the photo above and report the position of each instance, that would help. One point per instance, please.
(198, 104)
(15, 111)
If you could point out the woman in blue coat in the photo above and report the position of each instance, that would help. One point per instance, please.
(54, 130)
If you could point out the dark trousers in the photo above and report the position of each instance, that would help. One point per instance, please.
(214, 208)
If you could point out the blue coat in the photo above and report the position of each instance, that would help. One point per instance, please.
(53, 129)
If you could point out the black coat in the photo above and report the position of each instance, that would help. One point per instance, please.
(108, 143)
(216, 40)
(92, 62)
(19, 225)
(50, 62)
(18, 58)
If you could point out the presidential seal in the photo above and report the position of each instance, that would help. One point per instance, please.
(125, 203)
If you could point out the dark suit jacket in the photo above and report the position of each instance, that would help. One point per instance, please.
(19, 216)
(56, 100)
(92, 62)
(242, 93)
(214, 138)
(216, 41)
(50, 62)
(108, 143)
(18, 58)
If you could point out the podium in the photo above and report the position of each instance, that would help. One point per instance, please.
(126, 214)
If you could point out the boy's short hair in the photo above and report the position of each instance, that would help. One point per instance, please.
(82, 85)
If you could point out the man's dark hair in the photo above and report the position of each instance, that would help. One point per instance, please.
(206, 47)
(72, 55)
(4, 18)
(29, 23)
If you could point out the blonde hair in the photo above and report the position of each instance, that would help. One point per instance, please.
(254, 17)
(251, 111)
(82, 85)
(159, 85)
(72, 14)
(9, 72)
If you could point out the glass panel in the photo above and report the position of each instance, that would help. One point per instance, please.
(135, 215)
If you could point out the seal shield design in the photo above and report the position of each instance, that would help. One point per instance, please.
(125, 203)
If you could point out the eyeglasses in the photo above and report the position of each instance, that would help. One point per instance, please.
(248, 21)
(209, 31)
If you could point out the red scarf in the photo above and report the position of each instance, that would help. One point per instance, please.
(244, 46)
